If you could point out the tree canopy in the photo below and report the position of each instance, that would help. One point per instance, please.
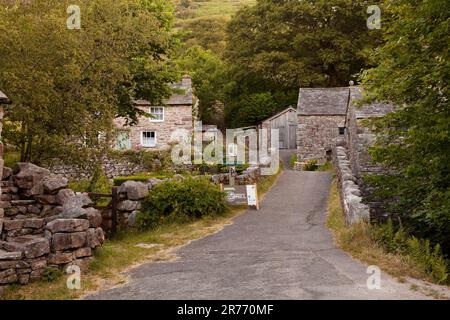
(414, 141)
(279, 46)
(68, 85)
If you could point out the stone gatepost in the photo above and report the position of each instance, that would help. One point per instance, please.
(3, 100)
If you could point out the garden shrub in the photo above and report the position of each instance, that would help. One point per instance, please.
(311, 165)
(181, 201)
(292, 160)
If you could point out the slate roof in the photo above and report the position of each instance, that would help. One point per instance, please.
(4, 99)
(323, 101)
(182, 96)
(372, 110)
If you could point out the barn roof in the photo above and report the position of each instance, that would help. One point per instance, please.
(4, 99)
(372, 110)
(182, 94)
(323, 101)
(280, 113)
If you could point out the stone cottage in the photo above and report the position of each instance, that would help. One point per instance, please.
(154, 133)
(286, 123)
(321, 114)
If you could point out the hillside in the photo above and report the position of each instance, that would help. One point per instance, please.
(203, 22)
(193, 9)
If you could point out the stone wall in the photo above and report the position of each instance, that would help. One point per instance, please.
(112, 167)
(354, 209)
(359, 138)
(316, 135)
(43, 224)
(131, 194)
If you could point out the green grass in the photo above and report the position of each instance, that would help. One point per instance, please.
(292, 160)
(11, 158)
(220, 7)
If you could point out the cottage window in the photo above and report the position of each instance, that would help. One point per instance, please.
(123, 141)
(148, 139)
(157, 114)
(341, 130)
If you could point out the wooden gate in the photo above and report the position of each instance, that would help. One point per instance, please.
(112, 205)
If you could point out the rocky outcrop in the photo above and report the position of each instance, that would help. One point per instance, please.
(354, 208)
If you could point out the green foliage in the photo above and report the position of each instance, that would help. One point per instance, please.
(310, 165)
(251, 109)
(210, 82)
(207, 32)
(414, 142)
(181, 201)
(292, 160)
(155, 161)
(301, 43)
(278, 46)
(429, 258)
(67, 91)
(51, 274)
(11, 158)
(325, 167)
(99, 184)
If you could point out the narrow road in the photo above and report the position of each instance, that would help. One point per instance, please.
(282, 251)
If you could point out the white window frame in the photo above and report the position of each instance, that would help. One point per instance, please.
(142, 139)
(157, 120)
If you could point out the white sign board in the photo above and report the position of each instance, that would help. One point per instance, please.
(252, 195)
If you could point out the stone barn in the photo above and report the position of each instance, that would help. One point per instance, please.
(321, 114)
(286, 123)
(359, 135)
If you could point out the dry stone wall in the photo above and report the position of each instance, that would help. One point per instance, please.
(354, 209)
(131, 194)
(43, 224)
(112, 168)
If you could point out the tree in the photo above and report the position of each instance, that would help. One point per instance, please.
(414, 141)
(210, 80)
(278, 46)
(291, 43)
(251, 109)
(68, 85)
(207, 32)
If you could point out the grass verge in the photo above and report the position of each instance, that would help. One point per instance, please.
(130, 249)
(359, 242)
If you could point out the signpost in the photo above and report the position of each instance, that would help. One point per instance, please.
(242, 195)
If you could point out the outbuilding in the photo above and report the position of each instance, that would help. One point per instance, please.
(286, 123)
